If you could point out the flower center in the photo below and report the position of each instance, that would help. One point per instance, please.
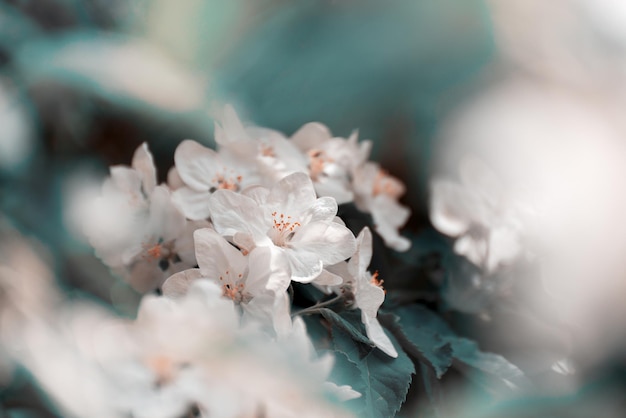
(232, 287)
(283, 228)
(224, 182)
(317, 160)
(387, 185)
(163, 252)
(163, 367)
(267, 150)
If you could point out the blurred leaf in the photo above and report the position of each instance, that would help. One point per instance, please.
(488, 369)
(126, 71)
(429, 336)
(15, 27)
(194, 31)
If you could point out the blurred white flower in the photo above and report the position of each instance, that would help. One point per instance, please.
(377, 193)
(288, 218)
(485, 218)
(135, 227)
(180, 356)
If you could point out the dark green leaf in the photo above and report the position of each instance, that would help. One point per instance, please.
(488, 369)
(423, 334)
(420, 334)
(383, 381)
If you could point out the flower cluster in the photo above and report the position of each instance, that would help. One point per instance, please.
(224, 240)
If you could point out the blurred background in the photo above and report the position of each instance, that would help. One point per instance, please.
(534, 89)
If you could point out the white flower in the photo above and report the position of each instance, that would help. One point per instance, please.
(367, 290)
(377, 193)
(331, 160)
(136, 229)
(253, 282)
(486, 220)
(180, 355)
(202, 171)
(288, 218)
(266, 152)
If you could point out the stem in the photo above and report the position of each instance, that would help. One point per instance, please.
(315, 308)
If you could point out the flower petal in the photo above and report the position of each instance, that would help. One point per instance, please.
(293, 194)
(451, 207)
(323, 209)
(196, 164)
(311, 135)
(165, 221)
(376, 333)
(177, 284)
(330, 241)
(195, 205)
(232, 212)
(144, 164)
(267, 270)
(216, 256)
(304, 266)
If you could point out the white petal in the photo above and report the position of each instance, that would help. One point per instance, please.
(326, 278)
(196, 165)
(479, 179)
(343, 393)
(335, 189)
(451, 207)
(323, 209)
(230, 128)
(304, 266)
(311, 136)
(368, 296)
(362, 257)
(144, 164)
(330, 241)
(268, 270)
(173, 179)
(293, 194)
(257, 193)
(376, 333)
(126, 180)
(388, 216)
(166, 221)
(504, 246)
(178, 284)
(195, 205)
(232, 212)
(216, 256)
(473, 248)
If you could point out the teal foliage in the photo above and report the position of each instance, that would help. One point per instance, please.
(383, 381)
(427, 336)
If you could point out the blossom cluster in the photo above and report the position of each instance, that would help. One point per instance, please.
(222, 242)
(186, 356)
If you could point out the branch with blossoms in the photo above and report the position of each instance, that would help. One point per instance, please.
(258, 299)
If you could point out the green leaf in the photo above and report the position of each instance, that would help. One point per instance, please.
(382, 380)
(488, 369)
(420, 334)
(426, 336)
